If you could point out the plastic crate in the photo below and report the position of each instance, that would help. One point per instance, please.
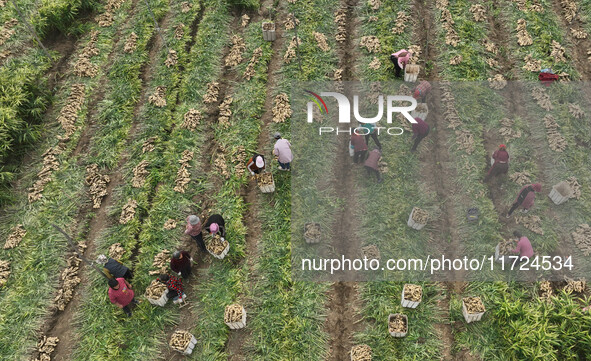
(407, 303)
(240, 324)
(471, 317)
(412, 224)
(269, 35)
(398, 334)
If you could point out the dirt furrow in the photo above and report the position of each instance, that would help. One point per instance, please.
(438, 168)
(343, 319)
(60, 325)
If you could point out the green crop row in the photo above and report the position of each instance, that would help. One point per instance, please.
(36, 262)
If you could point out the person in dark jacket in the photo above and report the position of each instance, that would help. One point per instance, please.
(181, 263)
(525, 198)
(372, 164)
(501, 164)
(420, 130)
(359, 147)
(256, 164)
(174, 286)
(113, 268)
(216, 223)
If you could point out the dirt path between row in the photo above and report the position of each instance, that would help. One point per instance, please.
(60, 325)
(438, 169)
(343, 306)
(239, 339)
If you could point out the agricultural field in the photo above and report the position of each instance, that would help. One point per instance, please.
(121, 118)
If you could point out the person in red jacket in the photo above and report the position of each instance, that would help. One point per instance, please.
(524, 247)
(359, 147)
(121, 294)
(181, 263)
(501, 164)
(371, 164)
(420, 130)
(422, 90)
(525, 198)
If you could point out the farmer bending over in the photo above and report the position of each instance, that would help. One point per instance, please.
(113, 268)
(501, 164)
(174, 286)
(420, 130)
(216, 223)
(525, 198)
(282, 150)
(400, 59)
(121, 294)
(371, 164)
(524, 248)
(359, 147)
(256, 164)
(181, 263)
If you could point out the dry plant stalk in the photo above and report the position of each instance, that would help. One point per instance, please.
(374, 4)
(361, 353)
(180, 340)
(397, 323)
(4, 272)
(555, 140)
(523, 37)
(69, 113)
(213, 91)
(116, 251)
(371, 43)
(192, 119)
(402, 19)
(140, 172)
(45, 347)
(558, 52)
(375, 64)
(225, 112)
(465, 140)
(490, 46)
(473, 305)
(455, 60)
(441, 4)
(239, 157)
(321, 41)
(413, 293)
(420, 216)
(290, 23)
(128, 211)
(532, 64)
(576, 111)
(264, 179)
(497, 82)
(533, 223)
(160, 262)
(575, 286)
(172, 58)
(340, 18)
(290, 53)
(15, 237)
(569, 8)
(256, 56)
(179, 31)
(312, 231)
(233, 313)
(371, 252)
(543, 99)
(281, 110)
(148, 145)
(170, 224)
(245, 19)
(582, 238)
(575, 186)
(235, 56)
(183, 177)
(185, 7)
(479, 12)
(97, 183)
(131, 43)
(155, 290)
(521, 178)
(158, 99)
(508, 130)
(546, 289)
(221, 165)
(579, 33)
(69, 280)
(50, 164)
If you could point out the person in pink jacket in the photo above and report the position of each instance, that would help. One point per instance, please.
(525, 198)
(372, 164)
(400, 59)
(282, 150)
(121, 294)
(524, 248)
